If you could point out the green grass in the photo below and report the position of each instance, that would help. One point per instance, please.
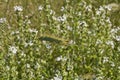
(65, 40)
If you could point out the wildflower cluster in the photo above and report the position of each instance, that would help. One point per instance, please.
(79, 43)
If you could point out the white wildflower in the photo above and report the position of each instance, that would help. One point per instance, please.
(59, 58)
(37, 65)
(89, 7)
(99, 41)
(48, 46)
(108, 20)
(62, 18)
(58, 77)
(54, 18)
(40, 8)
(117, 38)
(7, 67)
(89, 32)
(101, 8)
(118, 67)
(28, 65)
(18, 8)
(62, 8)
(30, 43)
(98, 12)
(83, 23)
(115, 30)
(69, 67)
(18, 62)
(23, 54)
(105, 59)
(71, 42)
(64, 59)
(79, 13)
(69, 28)
(52, 12)
(27, 22)
(111, 43)
(2, 20)
(112, 64)
(13, 49)
(33, 31)
(108, 7)
(14, 32)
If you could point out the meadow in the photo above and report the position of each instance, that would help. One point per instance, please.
(59, 40)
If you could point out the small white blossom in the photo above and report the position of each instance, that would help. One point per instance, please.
(57, 77)
(52, 12)
(30, 43)
(59, 58)
(115, 30)
(99, 41)
(40, 8)
(117, 38)
(112, 64)
(83, 23)
(13, 49)
(108, 8)
(28, 65)
(69, 67)
(98, 12)
(33, 31)
(62, 18)
(18, 8)
(2, 20)
(14, 32)
(69, 28)
(89, 7)
(79, 13)
(101, 8)
(48, 46)
(27, 22)
(23, 54)
(64, 59)
(105, 59)
(71, 42)
(111, 43)
(62, 8)
(118, 67)
(54, 18)
(108, 20)
(7, 67)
